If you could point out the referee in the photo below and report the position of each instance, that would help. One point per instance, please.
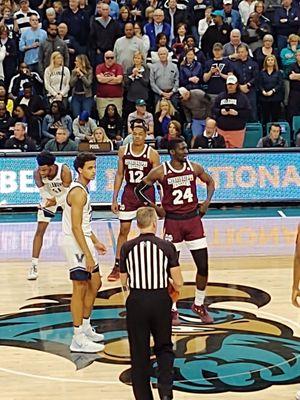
(147, 264)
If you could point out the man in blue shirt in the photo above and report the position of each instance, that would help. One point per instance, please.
(30, 42)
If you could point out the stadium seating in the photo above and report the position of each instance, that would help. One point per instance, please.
(254, 132)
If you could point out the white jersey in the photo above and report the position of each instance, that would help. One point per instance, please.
(86, 217)
(55, 186)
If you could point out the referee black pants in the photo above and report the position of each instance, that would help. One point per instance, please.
(149, 311)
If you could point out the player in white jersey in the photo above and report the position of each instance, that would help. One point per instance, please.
(80, 246)
(53, 180)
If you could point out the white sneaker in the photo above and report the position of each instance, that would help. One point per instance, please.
(81, 344)
(298, 395)
(33, 273)
(91, 334)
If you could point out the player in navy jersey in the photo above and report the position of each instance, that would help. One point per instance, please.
(183, 213)
(52, 180)
(135, 161)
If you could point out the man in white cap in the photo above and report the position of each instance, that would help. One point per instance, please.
(230, 16)
(197, 107)
(231, 111)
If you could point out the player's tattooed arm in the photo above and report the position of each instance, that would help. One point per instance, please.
(296, 277)
(210, 186)
(118, 180)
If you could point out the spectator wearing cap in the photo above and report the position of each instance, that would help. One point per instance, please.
(83, 127)
(231, 110)
(142, 114)
(164, 77)
(197, 107)
(137, 82)
(216, 72)
(210, 139)
(30, 42)
(34, 102)
(273, 139)
(230, 16)
(109, 88)
(19, 141)
(246, 71)
(217, 33)
(152, 29)
(61, 142)
(22, 17)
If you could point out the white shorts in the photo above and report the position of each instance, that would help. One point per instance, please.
(46, 214)
(127, 215)
(76, 259)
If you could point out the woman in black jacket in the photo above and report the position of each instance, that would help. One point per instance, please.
(270, 85)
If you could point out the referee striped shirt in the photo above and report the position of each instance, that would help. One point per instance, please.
(147, 260)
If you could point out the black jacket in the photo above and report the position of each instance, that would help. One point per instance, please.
(24, 145)
(103, 38)
(237, 101)
(215, 142)
(213, 35)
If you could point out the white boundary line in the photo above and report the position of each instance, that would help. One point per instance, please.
(281, 213)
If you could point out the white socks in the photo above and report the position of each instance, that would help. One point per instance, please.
(174, 307)
(77, 330)
(199, 297)
(35, 262)
(86, 323)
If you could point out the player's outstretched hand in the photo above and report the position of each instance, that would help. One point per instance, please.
(50, 202)
(115, 207)
(296, 297)
(203, 207)
(100, 247)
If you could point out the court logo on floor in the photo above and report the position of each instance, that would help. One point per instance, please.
(240, 352)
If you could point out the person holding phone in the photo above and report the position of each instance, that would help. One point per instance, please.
(30, 41)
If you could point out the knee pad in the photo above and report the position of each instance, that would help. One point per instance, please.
(201, 260)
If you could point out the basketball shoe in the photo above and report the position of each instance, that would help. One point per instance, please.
(82, 344)
(202, 312)
(298, 395)
(91, 334)
(114, 275)
(33, 273)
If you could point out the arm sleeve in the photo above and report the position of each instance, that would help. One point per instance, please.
(173, 260)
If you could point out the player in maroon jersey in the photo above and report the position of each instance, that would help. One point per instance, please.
(135, 161)
(183, 213)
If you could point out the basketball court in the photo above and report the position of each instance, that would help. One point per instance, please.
(252, 351)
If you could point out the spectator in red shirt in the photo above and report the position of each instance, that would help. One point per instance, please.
(110, 84)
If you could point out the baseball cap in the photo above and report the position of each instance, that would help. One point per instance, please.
(231, 80)
(84, 116)
(182, 91)
(217, 13)
(227, 1)
(140, 102)
(218, 46)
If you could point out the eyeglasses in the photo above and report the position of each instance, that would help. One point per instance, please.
(109, 58)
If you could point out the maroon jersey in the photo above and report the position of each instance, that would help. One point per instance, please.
(179, 189)
(136, 167)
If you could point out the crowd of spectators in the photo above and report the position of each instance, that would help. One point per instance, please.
(76, 74)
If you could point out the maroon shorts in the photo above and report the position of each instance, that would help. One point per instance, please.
(130, 203)
(188, 230)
